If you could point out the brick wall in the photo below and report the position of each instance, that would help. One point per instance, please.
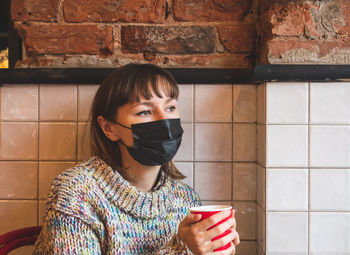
(182, 33)
(305, 32)
(107, 33)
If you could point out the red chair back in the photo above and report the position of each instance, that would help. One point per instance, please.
(18, 238)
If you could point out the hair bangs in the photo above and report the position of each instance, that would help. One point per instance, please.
(151, 85)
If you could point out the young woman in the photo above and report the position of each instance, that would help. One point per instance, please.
(128, 198)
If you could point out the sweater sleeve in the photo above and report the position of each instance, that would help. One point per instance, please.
(175, 247)
(62, 234)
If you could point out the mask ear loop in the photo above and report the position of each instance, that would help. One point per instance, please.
(120, 140)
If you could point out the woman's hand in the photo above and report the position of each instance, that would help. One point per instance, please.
(195, 235)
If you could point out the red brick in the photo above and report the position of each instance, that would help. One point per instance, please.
(277, 47)
(169, 40)
(293, 20)
(149, 11)
(343, 27)
(237, 38)
(34, 10)
(85, 39)
(211, 10)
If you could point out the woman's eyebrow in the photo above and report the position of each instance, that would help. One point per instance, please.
(147, 103)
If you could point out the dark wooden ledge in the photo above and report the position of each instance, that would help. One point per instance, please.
(261, 73)
(96, 75)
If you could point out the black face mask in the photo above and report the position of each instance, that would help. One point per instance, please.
(155, 142)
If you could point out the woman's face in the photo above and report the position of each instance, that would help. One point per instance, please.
(155, 108)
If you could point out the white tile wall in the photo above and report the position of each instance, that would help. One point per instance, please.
(207, 98)
(186, 168)
(185, 152)
(244, 103)
(287, 190)
(329, 103)
(261, 186)
(287, 233)
(246, 248)
(287, 103)
(261, 228)
(330, 189)
(261, 144)
(244, 145)
(308, 168)
(286, 146)
(213, 180)
(213, 142)
(85, 99)
(329, 233)
(246, 217)
(244, 181)
(261, 104)
(58, 102)
(185, 102)
(330, 146)
(13, 107)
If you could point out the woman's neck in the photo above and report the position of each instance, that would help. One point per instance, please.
(141, 176)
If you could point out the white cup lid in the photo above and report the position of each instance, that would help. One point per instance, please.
(210, 208)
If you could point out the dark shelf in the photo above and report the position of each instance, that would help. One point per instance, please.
(96, 75)
(261, 73)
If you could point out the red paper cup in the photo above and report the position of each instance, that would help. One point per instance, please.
(207, 211)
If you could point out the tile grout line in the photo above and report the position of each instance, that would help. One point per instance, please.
(38, 151)
(309, 173)
(193, 136)
(76, 86)
(232, 147)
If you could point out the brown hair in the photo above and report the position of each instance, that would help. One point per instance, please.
(125, 85)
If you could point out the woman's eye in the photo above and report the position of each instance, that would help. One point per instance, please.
(171, 108)
(143, 113)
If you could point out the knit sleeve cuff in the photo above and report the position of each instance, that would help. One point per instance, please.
(175, 246)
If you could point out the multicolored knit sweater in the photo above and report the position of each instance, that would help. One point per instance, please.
(92, 209)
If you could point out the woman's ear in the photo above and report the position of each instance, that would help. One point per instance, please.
(108, 128)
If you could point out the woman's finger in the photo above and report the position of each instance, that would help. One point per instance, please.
(229, 251)
(223, 240)
(221, 228)
(191, 219)
(212, 220)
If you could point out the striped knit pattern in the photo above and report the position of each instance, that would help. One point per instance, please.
(92, 209)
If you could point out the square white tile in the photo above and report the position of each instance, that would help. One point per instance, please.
(329, 103)
(246, 218)
(287, 146)
(261, 186)
(287, 189)
(244, 181)
(86, 94)
(213, 181)
(330, 146)
(246, 248)
(287, 103)
(261, 144)
(213, 103)
(244, 103)
(185, 152)
(330, 189)
(261, 228)
(186, 168)
(329, 233)
(58, 102)
(185, 102)
(287, 233)
(261, 104)
(213, 142)
(19, 102)
(244, 142)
